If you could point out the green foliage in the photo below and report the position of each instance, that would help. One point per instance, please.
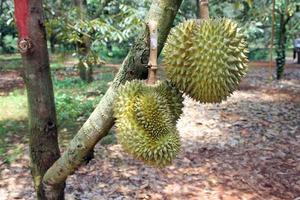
(13, 106)
(8, 32)
(75, 98)
(111, 23)
(111, 53)
(11, 131)
(10, 44)
(13, 126)
(187, 10)
(258, 54)
(255, 18)
(70, 108)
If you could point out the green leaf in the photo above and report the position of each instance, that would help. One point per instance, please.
(250, 2)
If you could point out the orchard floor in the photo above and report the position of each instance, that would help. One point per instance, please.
(245, 148)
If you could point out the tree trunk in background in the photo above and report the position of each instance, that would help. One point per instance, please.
(85, 67)
(1, 5)
(284, 18)
(203, 8)
(83, 48)
(52, 37)
(198, 9)
(281, 29)
(281, 46)
(1, 41)
(52, 40)
(43, 143)
(101, 120)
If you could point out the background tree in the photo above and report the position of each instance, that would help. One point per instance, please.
(83, 45)
(285, 10)
(255, 17)
(43, 144)
(99, 29)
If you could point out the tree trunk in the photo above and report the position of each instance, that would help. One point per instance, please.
(284, 18)
(52, 41)
(53, 36)
(44, 150)
(198, 9)
(83, 48)
(1, 41)
(101, 120)
(280, 49)
(204, 11)
(84, 65)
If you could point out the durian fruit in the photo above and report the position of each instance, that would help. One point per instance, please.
(145, 123)
(207, 59)
(173, 96)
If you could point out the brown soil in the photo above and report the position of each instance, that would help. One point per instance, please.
(245, 148)
(9, 81)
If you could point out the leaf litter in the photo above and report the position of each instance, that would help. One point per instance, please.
(245, 148)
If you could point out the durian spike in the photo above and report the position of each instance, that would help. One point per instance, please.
(152, 65)
(204, 11)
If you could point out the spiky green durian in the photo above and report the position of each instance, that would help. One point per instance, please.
(206, 59)
(145, 124)
(173, 96)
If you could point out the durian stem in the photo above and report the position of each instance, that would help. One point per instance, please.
(204, 12)
(152, 64)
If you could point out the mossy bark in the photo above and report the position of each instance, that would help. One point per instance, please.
(43, 143)
(280, 47)
(101, 120)
(281, 39)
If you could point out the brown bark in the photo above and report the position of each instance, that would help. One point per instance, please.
(44, 150)
(204, 11)
(83, 48)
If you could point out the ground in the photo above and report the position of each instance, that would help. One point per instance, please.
(245, 148)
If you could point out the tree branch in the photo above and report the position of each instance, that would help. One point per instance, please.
(101, 120)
